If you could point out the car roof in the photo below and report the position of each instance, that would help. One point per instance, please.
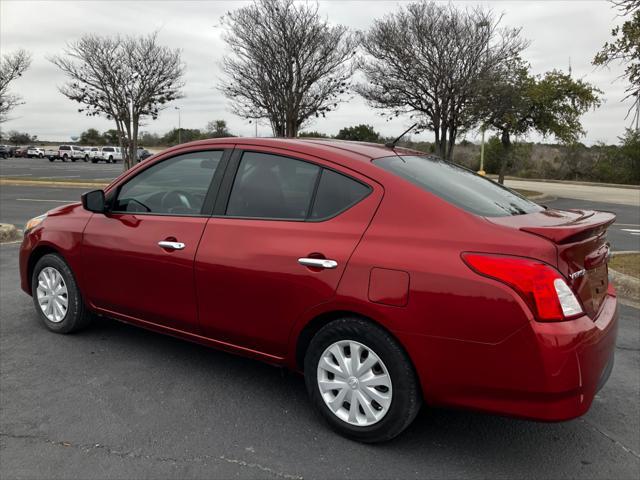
(350, 153)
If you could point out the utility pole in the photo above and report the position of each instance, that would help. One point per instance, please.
(179, 125)
(487, 26)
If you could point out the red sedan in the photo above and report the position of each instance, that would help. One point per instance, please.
(388, 277)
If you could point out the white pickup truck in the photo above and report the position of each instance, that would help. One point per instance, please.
(108, 155)
(66, 152)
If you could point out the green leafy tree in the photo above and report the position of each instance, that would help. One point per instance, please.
(217, 129)
(515, 102)
(360, 133)
(20, 138)
(312, 134)
(91, 137)
(186, 135)
(624, 48)
(148, 139)
(111, 137)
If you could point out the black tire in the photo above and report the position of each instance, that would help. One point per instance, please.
(77, 316)
(86, 158)
(73, 159)
(111, 159)
(51, 159)
(407, 396)
(93, 160)
(64, 157)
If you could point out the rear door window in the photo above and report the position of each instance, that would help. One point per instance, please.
(272, 186)
(458, 186)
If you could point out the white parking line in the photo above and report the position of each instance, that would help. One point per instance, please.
(630, 230)
(43, 200)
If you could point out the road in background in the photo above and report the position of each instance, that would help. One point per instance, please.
(28, 168)
(116, 401)
(579, 191)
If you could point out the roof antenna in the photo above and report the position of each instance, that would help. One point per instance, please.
(392, 145)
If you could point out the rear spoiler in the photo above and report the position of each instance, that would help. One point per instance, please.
(590, 224)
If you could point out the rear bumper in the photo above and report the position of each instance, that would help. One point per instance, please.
(544, 371)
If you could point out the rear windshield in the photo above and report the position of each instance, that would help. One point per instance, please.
(458, 185)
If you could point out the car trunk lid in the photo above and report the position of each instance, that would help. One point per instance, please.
(581, 244)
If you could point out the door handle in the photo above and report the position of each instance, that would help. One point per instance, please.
(171, 245)
(318, 263)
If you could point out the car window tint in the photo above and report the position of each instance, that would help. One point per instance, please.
(177, 186)
(458, 185)
(271, 186)
(336, 193)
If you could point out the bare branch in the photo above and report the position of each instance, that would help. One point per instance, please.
(12, 66)
(287, 65)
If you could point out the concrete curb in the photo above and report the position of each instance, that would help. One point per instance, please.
(9, 233)
(570, 182)
(628, 287)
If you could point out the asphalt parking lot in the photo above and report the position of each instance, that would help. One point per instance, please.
(116, 401)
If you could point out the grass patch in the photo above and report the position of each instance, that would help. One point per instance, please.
(527, 193)
(627, 263)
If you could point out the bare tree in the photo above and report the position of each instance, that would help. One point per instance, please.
(426, 60)
(286, 64)
(12, 66)
(126, 79)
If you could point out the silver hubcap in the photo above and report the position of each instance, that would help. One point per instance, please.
(52, 293)
(354, 383)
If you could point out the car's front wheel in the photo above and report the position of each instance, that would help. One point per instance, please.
(361, 380)
(56, 296)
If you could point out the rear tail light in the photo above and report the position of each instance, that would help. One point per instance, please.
(539, 284)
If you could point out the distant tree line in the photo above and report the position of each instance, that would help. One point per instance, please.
(213, 129)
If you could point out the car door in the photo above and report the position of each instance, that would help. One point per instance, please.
(139, 257)
(278, 217)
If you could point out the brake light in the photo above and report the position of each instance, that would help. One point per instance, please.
(539, 284)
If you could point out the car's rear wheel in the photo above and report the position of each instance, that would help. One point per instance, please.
(361, 380)
(56, 296)
(64, 157)
(86, 158)
(51, 159)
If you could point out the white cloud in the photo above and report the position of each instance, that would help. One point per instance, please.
(560, 32)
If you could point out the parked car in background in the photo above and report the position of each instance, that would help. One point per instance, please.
(304, 254)
(5, 151)
(90, 153)
(108, 155)
(33, 152)
(143, 154)
(20, 152)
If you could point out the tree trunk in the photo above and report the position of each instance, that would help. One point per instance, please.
(506, 154)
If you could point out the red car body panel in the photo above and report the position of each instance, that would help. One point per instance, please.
(473, 341)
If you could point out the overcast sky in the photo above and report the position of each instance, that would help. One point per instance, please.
(560, 33)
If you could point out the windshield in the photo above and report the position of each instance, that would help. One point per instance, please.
(458, 185)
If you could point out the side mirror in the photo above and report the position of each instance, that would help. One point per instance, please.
(94, 201)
